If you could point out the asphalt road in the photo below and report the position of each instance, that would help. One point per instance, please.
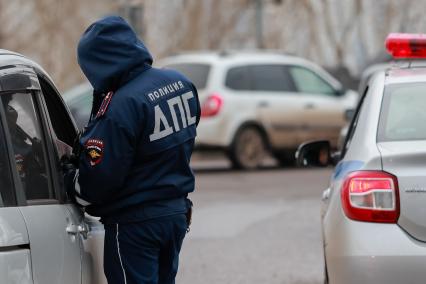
(254, 227)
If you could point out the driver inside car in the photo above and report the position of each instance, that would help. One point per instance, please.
(27, 152)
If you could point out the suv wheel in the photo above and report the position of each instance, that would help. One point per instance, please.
(248, 149)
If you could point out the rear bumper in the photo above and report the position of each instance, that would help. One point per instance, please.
(374, 253)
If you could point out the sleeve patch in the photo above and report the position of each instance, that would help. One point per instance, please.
(94, 149)
(105, 104)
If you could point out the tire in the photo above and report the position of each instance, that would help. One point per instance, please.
(248, 148)
(286, 158)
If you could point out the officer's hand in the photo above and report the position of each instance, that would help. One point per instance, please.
(70, 174)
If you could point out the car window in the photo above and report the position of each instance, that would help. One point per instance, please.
(353, 124)
(307, 81)
(62, 125)
(237, 78)
(7, 194)
(403, 115)
(271, 78)
(198, 73)
(23, 125)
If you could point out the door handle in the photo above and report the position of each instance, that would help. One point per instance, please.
(72, 229)
(82, 229)
(309, 106)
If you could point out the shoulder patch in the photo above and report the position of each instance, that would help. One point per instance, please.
(105, 104)
(94, 150)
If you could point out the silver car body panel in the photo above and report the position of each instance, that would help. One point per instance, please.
(406, 160)
(15, 267)
(55, 254)
(364, 252)
(15, 261)
(13, 231)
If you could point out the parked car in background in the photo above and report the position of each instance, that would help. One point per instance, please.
(79, 101)
(44, 238)
(373, 217)
(254, 102)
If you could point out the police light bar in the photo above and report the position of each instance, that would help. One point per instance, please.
(406, 45)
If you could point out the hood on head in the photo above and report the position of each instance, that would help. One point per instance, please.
(108, 50)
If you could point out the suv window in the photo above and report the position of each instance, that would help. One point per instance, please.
(403, 113)
(271, 78)
(7, 195)
(237, 78)
(198, 73)
(307, 81)
(24, 127)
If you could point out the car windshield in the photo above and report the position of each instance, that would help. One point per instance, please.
(196, 72)
(403, 115)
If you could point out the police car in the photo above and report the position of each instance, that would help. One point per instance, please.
(258, 101)
(43, 237)
(373, 217)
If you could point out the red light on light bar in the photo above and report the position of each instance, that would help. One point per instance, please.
(406, 45)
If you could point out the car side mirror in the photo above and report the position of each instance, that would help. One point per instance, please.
(316, 154)
(349, 114)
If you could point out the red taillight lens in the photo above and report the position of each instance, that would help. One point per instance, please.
(371, 196)
(406, 45)
(211, 105)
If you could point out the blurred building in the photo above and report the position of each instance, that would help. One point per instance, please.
(334, 33)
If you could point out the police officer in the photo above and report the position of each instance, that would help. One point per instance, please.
(134, 166)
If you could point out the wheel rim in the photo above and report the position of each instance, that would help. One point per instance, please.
(250, 148)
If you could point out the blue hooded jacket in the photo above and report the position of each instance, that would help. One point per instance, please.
(137, 149)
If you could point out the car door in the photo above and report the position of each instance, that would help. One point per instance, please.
(53, 238)
(275, 99)
(15, 258)
(323, 105)
(63, 133)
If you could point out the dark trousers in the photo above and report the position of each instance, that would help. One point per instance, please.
(144, 253)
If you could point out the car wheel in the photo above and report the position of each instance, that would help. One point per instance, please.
(286, 159)
(248, 148)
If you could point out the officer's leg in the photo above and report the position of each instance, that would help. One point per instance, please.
(131, 254)
(169, 255)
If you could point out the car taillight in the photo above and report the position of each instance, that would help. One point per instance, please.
(211, 105)
(371, 196)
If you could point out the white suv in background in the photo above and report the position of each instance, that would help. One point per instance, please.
(253, 102)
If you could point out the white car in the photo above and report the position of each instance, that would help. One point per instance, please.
(373, 213)
(253, 102)
(44, 238)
